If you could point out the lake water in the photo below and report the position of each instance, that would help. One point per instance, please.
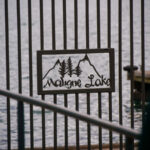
(70, 45)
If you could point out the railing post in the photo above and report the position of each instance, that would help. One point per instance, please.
(129, 143)
(21, 138)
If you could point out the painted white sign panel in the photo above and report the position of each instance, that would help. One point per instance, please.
(75, 71)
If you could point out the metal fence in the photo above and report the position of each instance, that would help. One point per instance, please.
(27, 26)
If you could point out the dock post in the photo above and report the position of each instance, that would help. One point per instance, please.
(129, 143)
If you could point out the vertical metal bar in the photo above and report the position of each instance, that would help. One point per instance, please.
(43, 126)
(30, 71)
(143, 56)
(109, 23)
(77, 123)
(8, 124)
(110, 119)
(120, 66)
(88, 125)
(55, 124)
(76, 23)
(19, 46)
(7, 74)
(64, 25)
(88, 94)
(21, 138)
(53, 25)
(66, 122)
(98, 25)
(109, 46)
(54, 48)
(87, 22)
(41, 25)
(42, 48)
(131, 62)
(65, 47)
(76, 94)
(99, 94)
(100, 116)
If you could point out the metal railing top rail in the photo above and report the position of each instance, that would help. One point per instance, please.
(75, 114)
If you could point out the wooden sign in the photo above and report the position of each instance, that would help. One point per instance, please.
(75, 71)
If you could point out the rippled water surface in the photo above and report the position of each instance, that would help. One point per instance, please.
(70, 45)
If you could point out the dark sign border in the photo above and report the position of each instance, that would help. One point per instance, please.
(80, 51)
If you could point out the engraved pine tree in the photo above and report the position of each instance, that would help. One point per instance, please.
(70, 66)
(78, 71)
(62, 69)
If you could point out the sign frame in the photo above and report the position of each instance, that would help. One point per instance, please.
(110, 51)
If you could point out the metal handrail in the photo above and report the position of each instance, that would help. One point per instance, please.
(75, 114)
